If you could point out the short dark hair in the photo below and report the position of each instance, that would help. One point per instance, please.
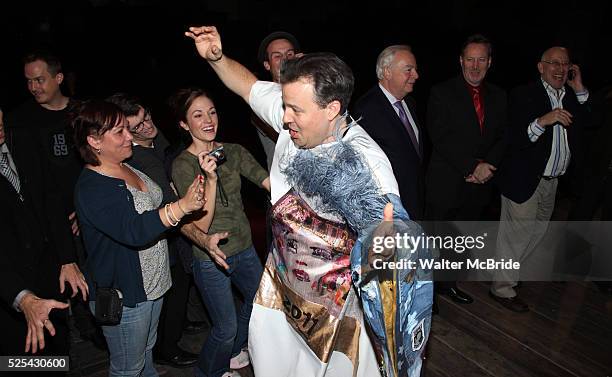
(331, 77)
(92, 118)
(54, 65)
(479, 39)
(130, 105)
(181, 101)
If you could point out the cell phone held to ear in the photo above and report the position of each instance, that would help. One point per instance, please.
(571, 74)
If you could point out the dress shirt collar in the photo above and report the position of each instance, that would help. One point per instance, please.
(390, 97)
(558, 94)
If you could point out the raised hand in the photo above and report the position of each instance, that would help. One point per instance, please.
(207, 41)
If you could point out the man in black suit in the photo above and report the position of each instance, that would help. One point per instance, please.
(389, 117)
(37, 252)
(546, 122)
(466, 119)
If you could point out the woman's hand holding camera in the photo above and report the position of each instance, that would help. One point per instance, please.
(208, 164)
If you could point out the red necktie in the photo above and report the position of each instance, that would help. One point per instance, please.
(478, 105)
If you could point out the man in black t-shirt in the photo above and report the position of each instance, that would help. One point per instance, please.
(44, 117)
(43, 122)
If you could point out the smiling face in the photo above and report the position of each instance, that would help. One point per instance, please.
(44, 86)
(115, 145)
(554, 66)
(202, 120)
(141, 126)
(475, 63)
(401, 74)
(309, 125)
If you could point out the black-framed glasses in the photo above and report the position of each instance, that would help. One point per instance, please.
(557, 64)
(138, 127)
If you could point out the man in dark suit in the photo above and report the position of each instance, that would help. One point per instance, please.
(546, 122)
(466, 119)
(37, 253)
(390, 119)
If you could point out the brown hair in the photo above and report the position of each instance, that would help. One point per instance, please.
(92, 118)
(182, 100)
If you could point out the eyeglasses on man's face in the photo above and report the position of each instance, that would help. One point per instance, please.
(557, 64)
(138, 126)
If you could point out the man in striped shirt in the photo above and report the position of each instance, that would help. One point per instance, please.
(545, 123)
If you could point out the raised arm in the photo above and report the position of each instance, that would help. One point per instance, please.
(233, 74)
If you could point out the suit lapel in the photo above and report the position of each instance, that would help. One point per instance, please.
(466, 102)
(412, 110)
(489, 108)
(394, 121)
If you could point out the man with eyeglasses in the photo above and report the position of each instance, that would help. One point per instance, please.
(546, 119)
(150, 154)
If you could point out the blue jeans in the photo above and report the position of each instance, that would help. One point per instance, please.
(130, 343)
(229, 331)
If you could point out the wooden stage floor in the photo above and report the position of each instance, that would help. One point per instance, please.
(568, 332)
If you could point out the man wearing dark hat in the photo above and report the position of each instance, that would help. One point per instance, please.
(273, 50)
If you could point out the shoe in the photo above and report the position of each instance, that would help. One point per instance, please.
(241, 360)
(184, 359)
(457, 295)
(231, 373)
(514, 304)
(195, 327)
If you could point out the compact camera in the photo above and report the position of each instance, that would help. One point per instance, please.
(219, 154)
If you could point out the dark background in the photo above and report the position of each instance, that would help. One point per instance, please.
(139, 47)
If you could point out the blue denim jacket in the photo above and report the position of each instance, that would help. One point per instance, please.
(413, 300)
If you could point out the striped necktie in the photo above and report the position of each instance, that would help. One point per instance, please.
(10, 174)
